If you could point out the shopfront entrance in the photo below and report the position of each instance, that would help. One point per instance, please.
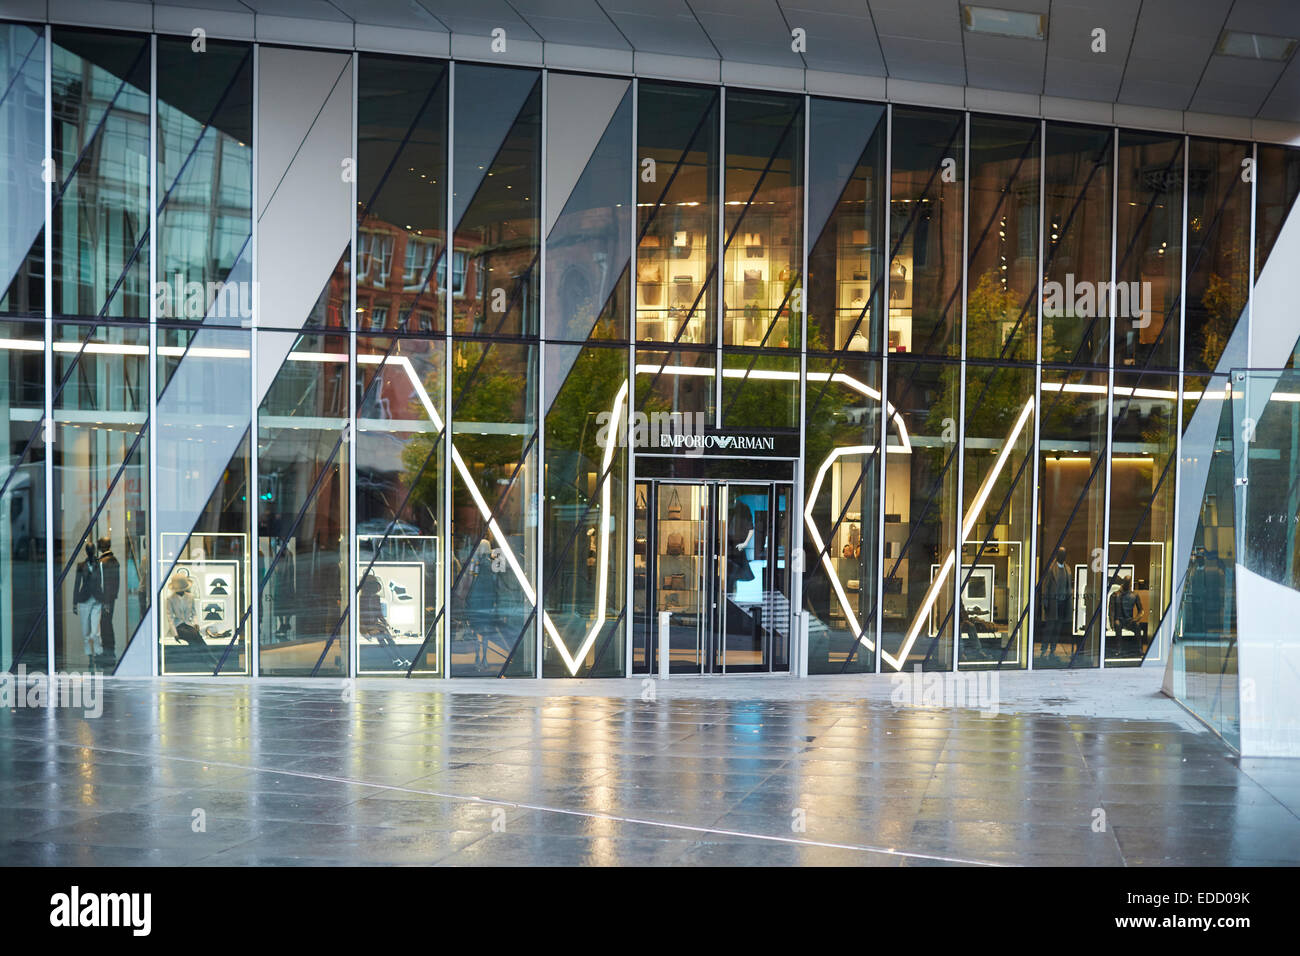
(713, 556)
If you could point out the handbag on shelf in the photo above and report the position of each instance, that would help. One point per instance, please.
(676, 544)
(674, 505)
(640, 544)
(674, 582)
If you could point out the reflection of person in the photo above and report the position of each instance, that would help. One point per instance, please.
(1058, 593)
(370, 616)
(88, 596)
(971, 648)
(181, 617)
(111, 585)
(740, 532)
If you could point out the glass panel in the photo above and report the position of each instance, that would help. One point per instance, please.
(759, 390)
(846, 212)
(1003, 240)
(1077, 244)
(401, 191)
(1218, 249)
(588, 247)
(22, 495)
(643, 618)
(1141, 513)
(497, 196)
(22, 192)
(1148, 248)
(1205, 639)
(101, 482)
(1071, 510)
(681, 568)
(205, 175)
(925, 226)
(1277, 186)
(100, 84)
(841, 517)
(920, 516)
(997, 502)
(400, 446)
(677, 206)
(585, 505)
(763, 206)
(303, 491)
(494, 510)
(202, 509)
(679, 382)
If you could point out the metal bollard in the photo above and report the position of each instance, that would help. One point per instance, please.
(663, 644)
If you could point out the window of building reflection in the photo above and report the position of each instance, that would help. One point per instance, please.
(101, 482)
(23, 540)
(762, 220)
(1078, 181)
(400, 449)
(205, 175)
(1218, 248)
(303, 504)
(925, 226)
(584, 512)
(677, 207)
(1003, 239)
(1139, 578)
(100, 220)
(846, 223)
(401, 192)
(496, 200)
(841, 526)
(493, 597)
(997, 509)
(22, 195)
(920, 516)
(1070, 587)
(1148, 249)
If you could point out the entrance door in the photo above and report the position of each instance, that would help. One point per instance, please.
(716, 560)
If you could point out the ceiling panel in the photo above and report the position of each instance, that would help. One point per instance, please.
(659, 26)
(838, 40)
(480, 18)
(1236, 86)
(1072, 68)
(1284, 102)
(388, 13)
(1005, 63)
(752, 31)
(924, 60)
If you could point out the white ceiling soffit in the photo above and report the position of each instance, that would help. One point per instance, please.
(1159, 54)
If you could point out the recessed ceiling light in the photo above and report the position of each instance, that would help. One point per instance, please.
(1255, 46)
(1003, 23)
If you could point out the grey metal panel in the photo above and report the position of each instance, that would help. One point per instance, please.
(749, 74)
(1235, 86)
(926, 94)
(108, 13)
(480, 17)
(579, 109)
(839, 39)
(306, 9)
(331, 33)
(478, 46)
(660, 26)
(305, 222)
(695, 69)
(1273, 17)
(1284, 102)
(393, 40)
(925, 61)
(845, 84)
(1072, 68)
(1005, 63)
(580, 22)
(753, 31)
(924, 19)
(390, 13)
(219, 24)
(568, 56)
(1155, 94)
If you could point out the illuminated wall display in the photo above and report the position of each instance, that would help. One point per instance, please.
(586, 376)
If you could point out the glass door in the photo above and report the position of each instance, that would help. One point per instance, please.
(682, 582)
(753, 579)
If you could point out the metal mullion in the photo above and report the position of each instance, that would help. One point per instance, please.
(449, 282)
(50, 430)
(720, 259)
(1030, 571)
(253, 638)
(350, 447)
(1109, 449)
(540, 470)
(796, 503)
(883, 439)
(151, 510)
(629, 483)
(954, 622)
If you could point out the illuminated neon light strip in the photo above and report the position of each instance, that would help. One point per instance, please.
(968, 523)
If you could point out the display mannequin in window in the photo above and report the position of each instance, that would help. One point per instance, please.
(371, 621)
(1058, 598)
(1126, 608)
(181, 613)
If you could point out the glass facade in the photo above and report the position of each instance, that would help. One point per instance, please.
(545, 374)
